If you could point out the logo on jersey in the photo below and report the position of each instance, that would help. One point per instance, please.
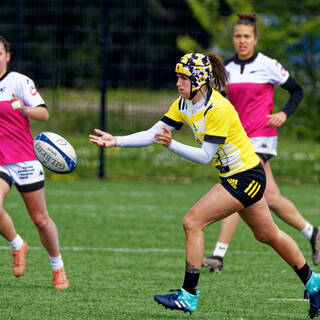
(233, 183)
(253, 188)
(3, 89)
(283, 71)
(33, 90)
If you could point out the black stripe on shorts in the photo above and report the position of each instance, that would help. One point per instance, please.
(31, 187)
(6, 178)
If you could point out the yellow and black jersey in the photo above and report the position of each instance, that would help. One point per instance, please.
(216, 121)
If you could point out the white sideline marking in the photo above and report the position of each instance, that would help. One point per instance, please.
(275, 299)
(106, 249)
(141, 250)
(138, 250)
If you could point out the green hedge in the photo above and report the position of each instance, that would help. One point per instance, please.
(298, 157)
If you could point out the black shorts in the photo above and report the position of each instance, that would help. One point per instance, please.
(265, 156)
(248, 186)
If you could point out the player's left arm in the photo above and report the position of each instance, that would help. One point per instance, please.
(201, 155)
(39, 112)
(280, 76)
(296, 94)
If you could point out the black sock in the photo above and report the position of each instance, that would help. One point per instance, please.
(304, 273)
(190, 283)
(314, 235)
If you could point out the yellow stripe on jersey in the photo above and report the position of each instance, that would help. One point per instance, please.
(218, 118)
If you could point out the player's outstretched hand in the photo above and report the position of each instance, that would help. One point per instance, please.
(104, 139)
(164, 138)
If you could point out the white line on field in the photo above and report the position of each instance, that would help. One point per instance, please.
(106, 249)
(287, 299)
(140, 250)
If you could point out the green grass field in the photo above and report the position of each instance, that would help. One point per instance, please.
(122, 242)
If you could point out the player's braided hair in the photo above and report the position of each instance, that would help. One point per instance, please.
(5, 43)
(248, 19)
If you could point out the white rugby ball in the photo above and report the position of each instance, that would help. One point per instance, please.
(55, 152)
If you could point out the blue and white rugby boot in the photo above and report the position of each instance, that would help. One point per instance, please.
(180, 300)
(313, 289)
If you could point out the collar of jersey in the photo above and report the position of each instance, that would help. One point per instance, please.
(201, 104)
(4, 75)
(238, 61)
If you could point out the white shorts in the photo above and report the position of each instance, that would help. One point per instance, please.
(265, 145)
(27, 175)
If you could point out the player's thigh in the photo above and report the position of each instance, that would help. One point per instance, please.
(215, 205)
(35, 203)
(4, 190)
(272, 190)
(259, 219)
(5, 183)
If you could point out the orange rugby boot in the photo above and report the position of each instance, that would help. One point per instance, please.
(60, 279)
(19, 260)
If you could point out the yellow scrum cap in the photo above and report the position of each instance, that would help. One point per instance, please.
(197, 67)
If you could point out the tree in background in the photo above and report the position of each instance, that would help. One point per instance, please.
(290, 33)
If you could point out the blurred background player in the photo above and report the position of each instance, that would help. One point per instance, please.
(20, 100)
(216, 126)
(252, 76)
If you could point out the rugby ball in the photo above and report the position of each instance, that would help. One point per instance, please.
(55, 152)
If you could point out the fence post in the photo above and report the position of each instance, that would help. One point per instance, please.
(103, 107)
(19, 26)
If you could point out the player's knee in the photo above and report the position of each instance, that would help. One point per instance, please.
(190, 221)
(266, 237)
(273, 199)
(2, 212)
(40, 220)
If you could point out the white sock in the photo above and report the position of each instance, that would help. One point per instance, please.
(307, 230)
(220, 249)
(17, 243)
(56, 262)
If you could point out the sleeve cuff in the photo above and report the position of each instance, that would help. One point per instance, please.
(214, 139)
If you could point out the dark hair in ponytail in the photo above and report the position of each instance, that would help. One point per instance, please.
(248, 19)
(220, 75)
(5, 43)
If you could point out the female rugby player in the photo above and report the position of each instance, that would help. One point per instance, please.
(217, 127)
(252, 77)
(19, 166)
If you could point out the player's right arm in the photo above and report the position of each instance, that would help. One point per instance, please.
(103, 139)
(138, 139)
(142, 138)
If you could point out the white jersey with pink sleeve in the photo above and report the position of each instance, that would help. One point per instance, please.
(250, 89)
(16, 141)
